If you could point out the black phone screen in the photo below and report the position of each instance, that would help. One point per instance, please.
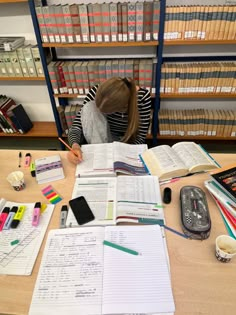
(81, 210)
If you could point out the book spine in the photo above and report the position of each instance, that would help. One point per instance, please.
(42, 24)
(83, 14)
(114, 22)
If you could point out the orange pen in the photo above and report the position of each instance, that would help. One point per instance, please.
(68, 146)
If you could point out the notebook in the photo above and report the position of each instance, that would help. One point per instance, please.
(79, 274)
(48, 169)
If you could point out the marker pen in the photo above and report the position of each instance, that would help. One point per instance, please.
(10, 217)
(18, 217)
(3, 217)
(27, 160)
(63, 216)
(36, 214)
(32, 169)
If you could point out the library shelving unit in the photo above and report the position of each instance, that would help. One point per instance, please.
(40, 129)
(62, 99)
(182, 96)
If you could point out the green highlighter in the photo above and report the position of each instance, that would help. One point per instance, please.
(32, 169)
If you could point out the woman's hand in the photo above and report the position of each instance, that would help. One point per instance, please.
(75, 157)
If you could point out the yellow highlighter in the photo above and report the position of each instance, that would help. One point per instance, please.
(18, 217)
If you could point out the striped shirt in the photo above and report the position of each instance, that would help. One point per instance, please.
(118, 122)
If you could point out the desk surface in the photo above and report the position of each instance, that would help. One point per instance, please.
(201, 284)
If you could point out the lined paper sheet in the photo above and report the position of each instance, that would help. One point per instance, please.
(136, 284)
(70, 275)
(19, 259)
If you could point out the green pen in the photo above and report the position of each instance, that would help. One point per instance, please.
(123, 249)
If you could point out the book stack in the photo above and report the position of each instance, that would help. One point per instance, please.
(222, 187)
(13, 117)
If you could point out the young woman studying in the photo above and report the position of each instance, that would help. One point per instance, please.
(115, 110)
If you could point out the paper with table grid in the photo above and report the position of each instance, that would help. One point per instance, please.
(79, 275)
(19, 247)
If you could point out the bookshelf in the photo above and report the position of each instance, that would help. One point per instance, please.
(160, 47)
(17, 87)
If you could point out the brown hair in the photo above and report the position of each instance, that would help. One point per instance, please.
(120, 95)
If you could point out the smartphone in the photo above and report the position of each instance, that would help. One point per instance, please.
(81, 210)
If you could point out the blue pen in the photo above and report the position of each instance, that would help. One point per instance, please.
(10, 217)
(174, 231)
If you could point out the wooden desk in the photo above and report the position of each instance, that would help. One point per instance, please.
(201, 284)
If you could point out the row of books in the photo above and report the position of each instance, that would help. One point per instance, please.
(222, 187)
(13, 117)
(203, 22)
(195, 122)
(10, 43)
(99, 22)
(25, 61)
(67, 114)
(79, 76)
(198, 77)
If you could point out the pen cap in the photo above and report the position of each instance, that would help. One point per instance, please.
(6, 210)
(64, 208)
(37, 205)
(28, 154)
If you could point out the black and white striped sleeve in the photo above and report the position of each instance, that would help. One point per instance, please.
(144, 106)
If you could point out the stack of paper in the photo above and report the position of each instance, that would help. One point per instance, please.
(222, 187)
(104, 270)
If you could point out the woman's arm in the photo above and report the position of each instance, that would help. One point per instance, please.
(144, 106)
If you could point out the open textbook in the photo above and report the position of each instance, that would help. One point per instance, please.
(107, 159)
(82, 273)
(123, 198)
(179, 160)
(19, 247)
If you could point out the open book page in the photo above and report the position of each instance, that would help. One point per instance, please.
(139, 200)
(127, 160)
(136, 283)
(19, 247)
(70, 275)
(164, 162)
(100, 193)
(97, 160)
(194, 157)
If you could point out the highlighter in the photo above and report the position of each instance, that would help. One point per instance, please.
(63, 216)
(32, 169)
(18, 217)
(3, 217)
(27, 160)
(36, 214)
(10, 217)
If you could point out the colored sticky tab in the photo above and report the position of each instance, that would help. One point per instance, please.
(52, 196)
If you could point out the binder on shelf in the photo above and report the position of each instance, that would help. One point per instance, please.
(22, 118)
(11, 43)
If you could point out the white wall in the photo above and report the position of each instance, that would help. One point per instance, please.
(15, 20)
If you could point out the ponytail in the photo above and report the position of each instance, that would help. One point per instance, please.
(133, 113)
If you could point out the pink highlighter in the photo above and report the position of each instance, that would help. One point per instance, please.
(36, 214)
(3, 217)
(27, 160)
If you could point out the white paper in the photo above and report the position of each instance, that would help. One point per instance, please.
(19, 259)
(136, 284)
(78, 273)
(70, 276)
